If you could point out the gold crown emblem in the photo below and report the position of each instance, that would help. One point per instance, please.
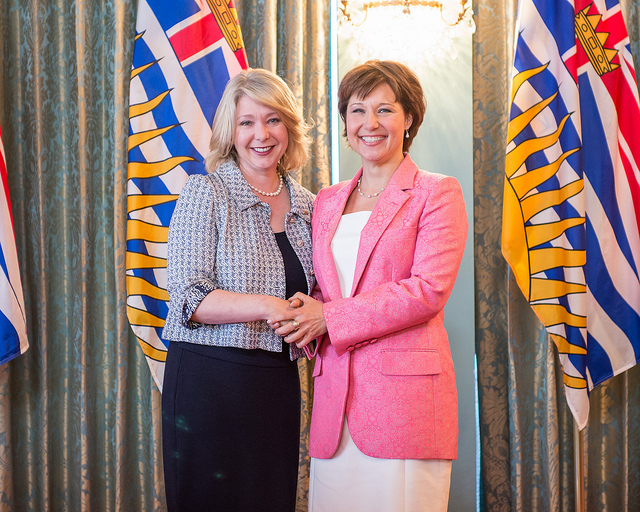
(593, 41)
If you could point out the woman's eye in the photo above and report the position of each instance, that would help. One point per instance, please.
(245, 123)
(274, 120)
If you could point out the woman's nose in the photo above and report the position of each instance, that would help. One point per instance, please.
(371, 120)
(262, 132)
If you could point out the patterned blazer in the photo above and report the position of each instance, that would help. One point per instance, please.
(220, 237)
(386, 361)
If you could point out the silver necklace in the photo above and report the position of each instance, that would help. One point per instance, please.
(269, 194)
(369, 196)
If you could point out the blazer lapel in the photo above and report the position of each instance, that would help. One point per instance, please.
(390, 202)
(332, 213)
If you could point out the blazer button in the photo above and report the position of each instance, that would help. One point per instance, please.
(350, 349)
(305, 212)
(300, 243)
(358, 345)
(292, 220)
(312, 272)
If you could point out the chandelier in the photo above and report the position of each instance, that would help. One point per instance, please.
(418, 32)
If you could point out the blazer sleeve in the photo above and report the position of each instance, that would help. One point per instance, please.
(191, 254)
(391, 306)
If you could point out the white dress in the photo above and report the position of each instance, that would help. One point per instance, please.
(351, 481)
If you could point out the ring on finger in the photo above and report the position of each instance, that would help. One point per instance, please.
(295, 324)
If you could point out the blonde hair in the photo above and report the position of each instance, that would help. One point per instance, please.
(269, 89)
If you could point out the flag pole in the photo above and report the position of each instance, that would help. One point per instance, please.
(578, 454)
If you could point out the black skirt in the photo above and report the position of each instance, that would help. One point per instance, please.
(231, 429)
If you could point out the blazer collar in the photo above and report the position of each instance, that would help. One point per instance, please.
(332, 210)
(239, 190)
(299, 198)
(389, 203)
(391, 200)
(405, 175)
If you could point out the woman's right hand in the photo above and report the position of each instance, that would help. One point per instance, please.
(302, 322)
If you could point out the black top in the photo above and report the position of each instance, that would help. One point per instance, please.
(296, 280)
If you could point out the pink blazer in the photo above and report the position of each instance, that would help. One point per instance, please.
(385, 361)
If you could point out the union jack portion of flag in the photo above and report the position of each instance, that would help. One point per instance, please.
(571, 215)
(13, 325)
(185, 52)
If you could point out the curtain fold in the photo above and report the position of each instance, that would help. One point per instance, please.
(526, 429)
(79, 413)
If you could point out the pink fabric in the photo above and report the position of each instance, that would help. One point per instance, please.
(385, 361)
(410, 362)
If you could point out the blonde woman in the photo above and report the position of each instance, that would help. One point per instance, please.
(239, 245)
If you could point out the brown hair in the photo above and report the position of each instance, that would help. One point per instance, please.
(269, 89)
(363, 79)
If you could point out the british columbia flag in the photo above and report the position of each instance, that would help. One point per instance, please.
(571, 215)
(185, 52)
(13, 325)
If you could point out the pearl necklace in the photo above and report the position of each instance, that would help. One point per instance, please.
(369, 196)
(269, 194)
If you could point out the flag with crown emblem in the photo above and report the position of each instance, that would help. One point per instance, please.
(13, 325)
(185, 52)
(571, 212)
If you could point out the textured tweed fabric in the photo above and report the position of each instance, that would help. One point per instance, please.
(220, 238)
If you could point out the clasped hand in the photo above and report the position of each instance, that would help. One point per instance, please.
(302, 322)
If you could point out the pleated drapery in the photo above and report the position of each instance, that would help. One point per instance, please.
(526, 429)
(79, 413)
(80, 417)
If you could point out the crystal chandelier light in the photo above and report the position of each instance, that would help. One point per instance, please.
(418, 32)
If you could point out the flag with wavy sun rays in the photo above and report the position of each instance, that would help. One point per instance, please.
(571, 211)
(13, 324)
(185, 52)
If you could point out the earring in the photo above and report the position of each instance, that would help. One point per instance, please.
(406, 134)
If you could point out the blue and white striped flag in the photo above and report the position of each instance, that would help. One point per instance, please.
(13, 325)
(185, 52)
(571, 212)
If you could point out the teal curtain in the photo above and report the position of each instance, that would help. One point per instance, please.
(80, 422)
(526, 430)
(79, 413)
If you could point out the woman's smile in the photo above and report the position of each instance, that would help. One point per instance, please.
(261, 137)
(376, 126)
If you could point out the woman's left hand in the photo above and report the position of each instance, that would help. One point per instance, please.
(303, 323)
